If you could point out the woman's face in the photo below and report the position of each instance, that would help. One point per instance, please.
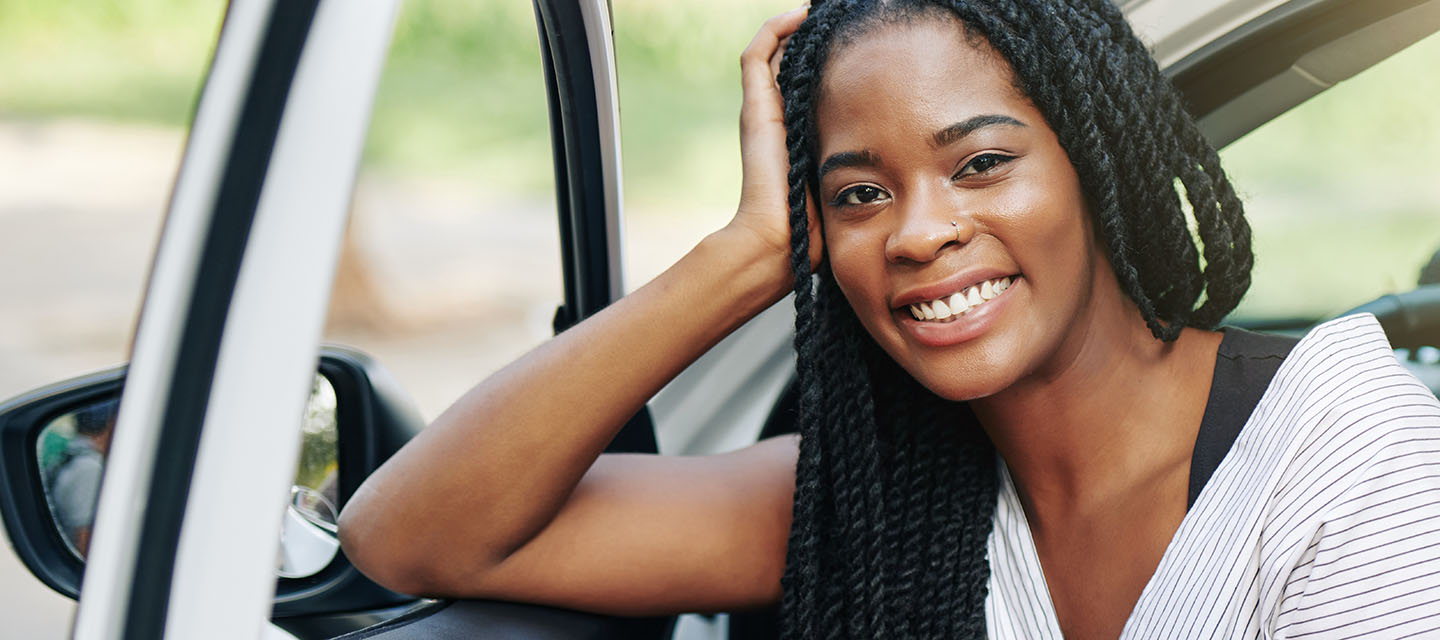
(941, 186)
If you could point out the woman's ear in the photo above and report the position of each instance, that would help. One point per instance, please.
(817, 227)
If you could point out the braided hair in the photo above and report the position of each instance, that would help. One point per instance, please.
(894, 499)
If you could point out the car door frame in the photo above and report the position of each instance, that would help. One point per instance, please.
(229, 332)
(577, 54)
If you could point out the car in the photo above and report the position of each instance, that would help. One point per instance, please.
(201, 472)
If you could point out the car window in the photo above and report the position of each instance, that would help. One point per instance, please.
(1342, 191)
(94, 102)
(451, 264)
(679, 81)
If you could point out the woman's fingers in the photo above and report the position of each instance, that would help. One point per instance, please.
(761, 112)
(761, 59)
(763, 205)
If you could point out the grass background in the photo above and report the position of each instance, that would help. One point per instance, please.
(1342, 192)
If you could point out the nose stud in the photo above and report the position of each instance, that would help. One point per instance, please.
(957, 231)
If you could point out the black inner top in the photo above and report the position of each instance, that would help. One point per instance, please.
(1244, 366)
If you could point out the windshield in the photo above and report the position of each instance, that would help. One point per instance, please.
(1342, 192)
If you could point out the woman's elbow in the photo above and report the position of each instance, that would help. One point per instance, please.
(394, 552)
(379, 549)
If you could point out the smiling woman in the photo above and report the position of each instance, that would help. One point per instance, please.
(952, 154)
(1017, 416)
(924, 211)
(944, 178)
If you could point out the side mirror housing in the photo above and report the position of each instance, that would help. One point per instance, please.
(28, 520)
(373, 418)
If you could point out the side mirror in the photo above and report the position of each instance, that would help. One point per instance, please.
(52, 450)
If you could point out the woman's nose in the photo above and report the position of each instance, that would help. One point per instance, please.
(920, 235)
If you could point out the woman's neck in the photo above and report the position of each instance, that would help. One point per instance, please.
(1117, 410)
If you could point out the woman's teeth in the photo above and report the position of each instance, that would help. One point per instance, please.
(950, 307)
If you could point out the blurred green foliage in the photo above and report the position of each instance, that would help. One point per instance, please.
(465, 76)
(138, 60)
(462, 92)
(319, 439)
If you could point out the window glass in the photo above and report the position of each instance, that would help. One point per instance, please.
(1342, 191)
(94, 101)
(451, 264)
(679, 77)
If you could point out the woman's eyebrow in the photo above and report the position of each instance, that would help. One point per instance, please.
(959, 130)
(943, 137)
(847, 159)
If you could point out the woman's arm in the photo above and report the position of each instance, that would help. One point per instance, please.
(503, 495)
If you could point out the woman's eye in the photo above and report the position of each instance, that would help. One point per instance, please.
(860, 195)
(983, 163)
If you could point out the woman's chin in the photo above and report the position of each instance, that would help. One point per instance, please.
(963, 385)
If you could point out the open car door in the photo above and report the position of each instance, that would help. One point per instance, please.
(185, 537)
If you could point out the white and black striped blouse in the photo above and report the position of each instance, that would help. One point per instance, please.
(1321, 522)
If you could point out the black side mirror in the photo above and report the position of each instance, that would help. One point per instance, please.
(52, 447)
(28, 515)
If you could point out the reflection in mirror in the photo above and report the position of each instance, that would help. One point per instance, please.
(319, 464)
(71, 450)
(308, 538)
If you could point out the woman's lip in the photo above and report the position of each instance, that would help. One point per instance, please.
(970, 325)
(954, 284)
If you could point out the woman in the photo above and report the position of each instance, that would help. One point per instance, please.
(1005, 377)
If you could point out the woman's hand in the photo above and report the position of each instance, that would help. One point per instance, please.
(764, 206)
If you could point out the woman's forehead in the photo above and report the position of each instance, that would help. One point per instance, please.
(929, 72)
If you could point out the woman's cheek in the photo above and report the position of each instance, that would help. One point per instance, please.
(860, 272)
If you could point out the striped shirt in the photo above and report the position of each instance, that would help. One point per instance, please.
(1323, 520)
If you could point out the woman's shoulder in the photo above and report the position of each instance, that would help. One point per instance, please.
(1355, 516)
(1352, 344)
(1354, 427)
(1345, 372)
(1341, 374)
(1340, 402)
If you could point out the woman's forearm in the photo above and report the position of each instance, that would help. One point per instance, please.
(494, 469)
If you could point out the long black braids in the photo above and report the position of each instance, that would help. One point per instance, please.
(896, 487)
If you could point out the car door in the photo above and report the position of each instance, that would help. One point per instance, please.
(229, 331)
(204, 446)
